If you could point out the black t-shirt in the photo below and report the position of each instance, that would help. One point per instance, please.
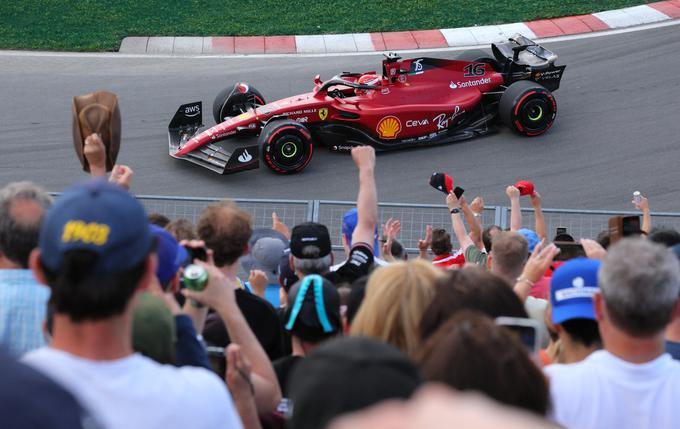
(358, 264)
(283, 367)
(262, 319)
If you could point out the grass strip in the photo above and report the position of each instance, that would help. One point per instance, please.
(100, 25)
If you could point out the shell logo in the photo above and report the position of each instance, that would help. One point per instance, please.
(389, 127)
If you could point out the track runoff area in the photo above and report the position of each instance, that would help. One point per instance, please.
(611, 132)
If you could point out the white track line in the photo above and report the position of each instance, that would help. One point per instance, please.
(342, 54)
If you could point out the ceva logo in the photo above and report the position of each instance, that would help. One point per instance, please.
(245, 157)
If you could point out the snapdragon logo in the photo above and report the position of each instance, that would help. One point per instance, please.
(470, 83)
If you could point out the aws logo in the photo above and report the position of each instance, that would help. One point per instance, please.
(88, 233)
(191, 111)
(389, 127)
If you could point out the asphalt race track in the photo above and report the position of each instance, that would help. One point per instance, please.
(617, 128)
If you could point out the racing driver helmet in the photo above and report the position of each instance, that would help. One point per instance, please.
(368, 79)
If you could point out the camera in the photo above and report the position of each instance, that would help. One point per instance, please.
(193, 253)
(623, 226)
(526, 331)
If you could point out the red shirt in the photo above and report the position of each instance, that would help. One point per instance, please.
(447, 260)
(541, 289)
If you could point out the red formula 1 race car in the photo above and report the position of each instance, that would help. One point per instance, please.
(413, 102)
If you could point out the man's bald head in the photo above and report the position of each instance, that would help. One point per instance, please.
(22, 208)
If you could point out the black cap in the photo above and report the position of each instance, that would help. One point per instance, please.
(313, 321)
(348, 374)
(441, 182)
(310, 240)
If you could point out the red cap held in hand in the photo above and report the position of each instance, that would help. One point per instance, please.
(442, 182)
(525, 187)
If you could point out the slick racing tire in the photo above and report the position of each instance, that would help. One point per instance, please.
(286, 146)
(479, 56)
(234, 100)
(528, 108)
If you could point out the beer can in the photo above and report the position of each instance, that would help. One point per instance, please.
(195, 277)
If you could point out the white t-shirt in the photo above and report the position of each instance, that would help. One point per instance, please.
(604, 391)
(137, 392)
(535, 308)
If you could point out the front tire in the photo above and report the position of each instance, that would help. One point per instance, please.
(286, 146)
(528, 108)
(234, 100)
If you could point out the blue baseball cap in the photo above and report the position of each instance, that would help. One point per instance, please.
(572, 288)
(170, 254)
(349, 223)
(100, 217)
(531, 238)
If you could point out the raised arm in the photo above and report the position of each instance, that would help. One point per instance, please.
(473, 216)
(539, 224)
(424, 243)
(95, 153)
(515, 209)
(643, 206)
(458, 227)
(219, 295)
(535, 268)
(367, 198)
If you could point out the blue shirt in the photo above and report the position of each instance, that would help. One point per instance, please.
(674, 349)
(271, 293)
(23, 305)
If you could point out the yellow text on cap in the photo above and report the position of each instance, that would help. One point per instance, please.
(88, 233)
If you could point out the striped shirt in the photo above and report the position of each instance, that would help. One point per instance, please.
(23, 305)
(448, 260)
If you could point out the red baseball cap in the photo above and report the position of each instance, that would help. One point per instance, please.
(441, 182)
(525, 187)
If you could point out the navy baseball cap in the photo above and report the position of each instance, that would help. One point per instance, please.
(170, 254)
(349, 224)
(100, 217)
(572, 288)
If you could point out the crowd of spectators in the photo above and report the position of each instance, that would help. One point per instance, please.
(99, 327)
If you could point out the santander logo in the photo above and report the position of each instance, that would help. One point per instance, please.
(245, 157)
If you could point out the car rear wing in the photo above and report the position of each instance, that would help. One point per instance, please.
(188, 122)
(522, 58)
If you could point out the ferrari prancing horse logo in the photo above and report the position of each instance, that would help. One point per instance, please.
(323, 113)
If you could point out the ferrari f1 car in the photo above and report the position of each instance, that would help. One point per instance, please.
(412, 102)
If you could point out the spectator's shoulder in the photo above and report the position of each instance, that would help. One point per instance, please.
(196, 385)
(206, 395)
(473, 254)
(570, 373)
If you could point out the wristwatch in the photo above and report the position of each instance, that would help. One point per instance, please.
(455, 210)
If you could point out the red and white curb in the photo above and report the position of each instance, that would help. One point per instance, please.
(403, 40)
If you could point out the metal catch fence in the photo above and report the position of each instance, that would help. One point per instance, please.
(413, 217)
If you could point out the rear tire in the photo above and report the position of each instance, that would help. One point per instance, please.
(528, 108)
(234, 100)
(286, 146)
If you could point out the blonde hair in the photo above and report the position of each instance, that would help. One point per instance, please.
(396, 298)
